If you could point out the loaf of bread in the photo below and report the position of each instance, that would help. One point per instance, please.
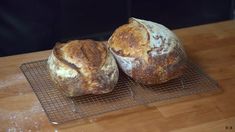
(147, 51)
(82, 67)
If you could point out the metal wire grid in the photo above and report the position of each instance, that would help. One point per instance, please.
(126, 93)
(193, 81)
(121, 97)
(58, 108)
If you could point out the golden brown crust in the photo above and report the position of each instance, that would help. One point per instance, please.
(82, 67)
(88, 52)
(130, 40)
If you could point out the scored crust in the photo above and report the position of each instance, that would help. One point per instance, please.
(148, 52)
(81, 67)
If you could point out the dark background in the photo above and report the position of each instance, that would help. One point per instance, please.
(33, 25)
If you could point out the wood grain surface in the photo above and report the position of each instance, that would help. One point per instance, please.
(211, 46)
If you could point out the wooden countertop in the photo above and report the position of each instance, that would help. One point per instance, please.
(211, 46)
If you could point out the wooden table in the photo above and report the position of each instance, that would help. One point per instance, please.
(211, 46)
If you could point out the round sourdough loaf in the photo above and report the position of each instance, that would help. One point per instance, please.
(147, 51)
(82, 67)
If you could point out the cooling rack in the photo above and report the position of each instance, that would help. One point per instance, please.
(127, 93)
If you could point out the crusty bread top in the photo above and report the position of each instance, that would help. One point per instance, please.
(84, 56)
(141, 39)
(130, 40)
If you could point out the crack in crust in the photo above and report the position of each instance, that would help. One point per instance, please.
(57, 53)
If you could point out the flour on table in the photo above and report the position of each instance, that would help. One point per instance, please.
(24, 121)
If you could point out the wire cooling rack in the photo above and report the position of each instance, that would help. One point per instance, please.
(127, 93)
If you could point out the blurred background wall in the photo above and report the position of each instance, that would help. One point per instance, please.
(34, 25)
